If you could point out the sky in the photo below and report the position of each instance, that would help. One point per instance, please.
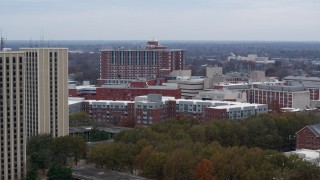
(216, 20)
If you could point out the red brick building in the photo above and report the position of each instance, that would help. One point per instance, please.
(154, 109)
(123, 92)
(129, 93)
(152, 61)
(308, 137)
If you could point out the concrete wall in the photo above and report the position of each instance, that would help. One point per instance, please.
(301, 99)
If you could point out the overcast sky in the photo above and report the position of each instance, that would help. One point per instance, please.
(270, 20)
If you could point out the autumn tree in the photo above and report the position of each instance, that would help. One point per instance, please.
(204, 170)
(143, 156)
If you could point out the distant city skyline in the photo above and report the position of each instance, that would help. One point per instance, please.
(217, 20)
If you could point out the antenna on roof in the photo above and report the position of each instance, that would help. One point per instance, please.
(2, 41)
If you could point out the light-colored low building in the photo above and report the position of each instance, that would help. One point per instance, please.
(176, 73)
(258, 76)
(213, 71)
(190, 87)
(75, 104)
(222, 95)
(309, 155)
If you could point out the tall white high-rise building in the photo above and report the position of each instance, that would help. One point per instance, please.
(12, 124)
(33, 100)
(46, 91)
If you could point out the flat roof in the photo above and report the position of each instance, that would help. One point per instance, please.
(108, 101)
(306, 154)
(74, 100)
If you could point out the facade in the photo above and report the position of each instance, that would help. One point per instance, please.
(222, 95)
(312, 84)
(152, 61)
(12, 93)
(75, 105)
(308, 137)
(281, 96)
(118, 113)
(154, 108)
(276, 95)
(258, 76)
(123, 92)
(46, 92)
(189, 87)
(151, 109)
(88, 92)
(235, 112)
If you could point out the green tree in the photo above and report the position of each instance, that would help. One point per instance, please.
(180, 165)
(115, 156)
(98, 135)
(59, 172)
(68, 147)
(80, 119)
(154, 165)
(32, 173)
(78, 149)
(39, 152)
(198, 133)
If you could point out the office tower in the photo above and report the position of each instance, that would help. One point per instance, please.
(151, 61)
(12, 128)
(46, 91)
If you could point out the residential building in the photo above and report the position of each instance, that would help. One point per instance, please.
(12, 115)
(308, 137)
(151, 61)
(46, 91)
(155, 108)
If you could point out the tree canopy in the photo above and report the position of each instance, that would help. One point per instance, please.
(247, 149)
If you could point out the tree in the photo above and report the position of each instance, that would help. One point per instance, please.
(59, 172)
(78, 148)
(198, 133)
(204, 170)
(67, 147)
(179, 165)
(115, 156)
(32, 174)
(39, 152)
(154, 165)
(98, 135)
(143, 156)
(80, 119)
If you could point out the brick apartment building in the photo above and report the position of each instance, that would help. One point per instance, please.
(154, 108)
(308, 137)
(151, 61)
